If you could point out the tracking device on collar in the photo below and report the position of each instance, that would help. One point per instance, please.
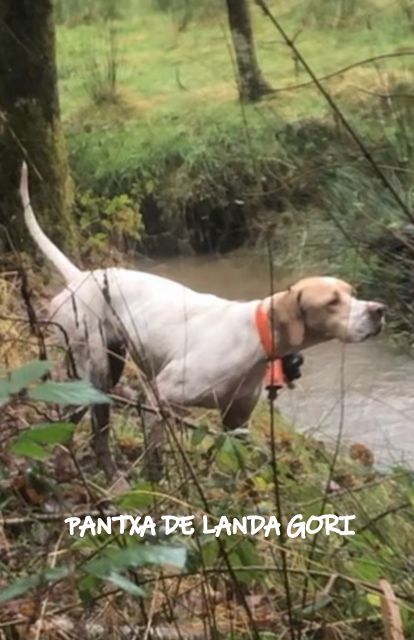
(291, 366)
(282, 372)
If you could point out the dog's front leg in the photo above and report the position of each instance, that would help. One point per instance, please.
(105, 374)
(237, 413)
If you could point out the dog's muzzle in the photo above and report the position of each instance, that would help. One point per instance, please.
(376, 312)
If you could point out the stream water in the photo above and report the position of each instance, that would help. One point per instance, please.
(367, 389)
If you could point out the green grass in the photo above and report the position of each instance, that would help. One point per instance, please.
(151, 51)
(176, 90)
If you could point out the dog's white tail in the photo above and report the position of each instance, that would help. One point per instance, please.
(61, 262)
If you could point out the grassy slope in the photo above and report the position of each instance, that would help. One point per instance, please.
(152, 54)
(150, 50)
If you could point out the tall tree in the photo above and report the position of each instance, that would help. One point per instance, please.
(29, 119)
(252, 85)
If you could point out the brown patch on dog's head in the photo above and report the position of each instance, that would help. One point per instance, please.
(289, 318)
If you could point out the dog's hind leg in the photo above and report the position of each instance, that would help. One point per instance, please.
(115, 361)
(100, 437)
(95, 352)
(154, 434)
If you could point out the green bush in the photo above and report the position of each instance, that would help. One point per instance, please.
(107, 222)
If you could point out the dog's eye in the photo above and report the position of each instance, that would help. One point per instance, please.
(334, 300)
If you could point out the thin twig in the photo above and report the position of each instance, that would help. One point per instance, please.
(276, 486)
(338, 72)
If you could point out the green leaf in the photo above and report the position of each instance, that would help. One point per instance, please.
(247, 553)
(374, 599)
(125, 584)
(78, 392)
(43, 434)
(21, 378)
(30, 442)
(29, 450)
(210, 550)
(53, 433)
(21, 586)
(137, 556)
(140, 497)
(244, 554)
(260, 484)
(28, 373)
(17, 588)
(199, 435)
(231, 454)
(87, 586)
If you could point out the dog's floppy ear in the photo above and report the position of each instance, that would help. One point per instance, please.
(289, 318)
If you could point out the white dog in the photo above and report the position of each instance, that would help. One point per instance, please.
(198, 349)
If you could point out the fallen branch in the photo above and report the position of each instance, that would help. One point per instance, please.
(391, 614)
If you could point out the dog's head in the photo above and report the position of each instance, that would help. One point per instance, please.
(321, 308)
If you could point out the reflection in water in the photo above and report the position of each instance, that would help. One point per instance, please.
(235, 276)
(377, 381)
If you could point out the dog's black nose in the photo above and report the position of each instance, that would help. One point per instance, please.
(377, 309)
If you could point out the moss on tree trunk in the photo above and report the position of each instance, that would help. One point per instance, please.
(252, 85)
(30, 121)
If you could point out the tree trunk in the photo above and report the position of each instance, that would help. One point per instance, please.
(30, 123)
(252, 85)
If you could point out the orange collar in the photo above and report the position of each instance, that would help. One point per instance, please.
(264, 329)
